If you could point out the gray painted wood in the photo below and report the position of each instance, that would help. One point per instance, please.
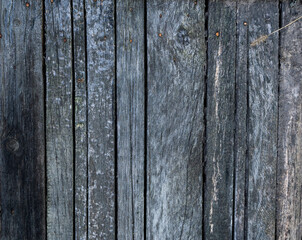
(241, 121)
(59, 124)
(289, 224)
(219, 165)
(262, 120)
(176, 63)
(101, 118)
(130, 118)
(22, 145)
(80, 177)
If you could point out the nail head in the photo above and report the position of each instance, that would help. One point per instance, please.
(160, 35)
(217, 34)
(27, 4)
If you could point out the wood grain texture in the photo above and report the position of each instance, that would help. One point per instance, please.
(220, 120)
(22, 142)
(130, 118)
(241, 121)
(176, 62)
(101, 118)
(80, 118)
(59, 120)
(289, 224)
(262, 120)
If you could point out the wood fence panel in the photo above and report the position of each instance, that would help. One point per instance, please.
(22, 145)
(80, 119)
(289, 225)
(220, 116)
(59, 119)
(130, 118)
(101, 118)
(241, 110)
(175, 114)
(262, 120)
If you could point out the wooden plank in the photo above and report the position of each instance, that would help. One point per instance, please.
(289, 218)
(101, 119)
(262, 120)
(220, 120)
(80, 175)
(176, 63)
(22, 150)
(59, 125)
(241, 121)
(130, 118)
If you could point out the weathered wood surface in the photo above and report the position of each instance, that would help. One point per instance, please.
(289, 225)
(262, 120)
(158, 119)
(22, 144)
(59, 119)
(241, 121)
(101, 118)
(175, 115)
(220, 117)
(80, 120)
(130, 41)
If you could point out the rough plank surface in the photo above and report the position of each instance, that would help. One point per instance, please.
(220, 116)
(59, 128)
(80, 175)
(22, 145)
(289, 225)
(176, 62)
(101, 81)
(241, 121)
(262, 120)
(130, 118)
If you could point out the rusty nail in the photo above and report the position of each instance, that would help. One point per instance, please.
(27, 4)
(160, 15)
(245, 23)
(130, 40)
(65, 40)
(51, 1)
(81, 80)
(0, 35)
(217, 34)
(160, 35)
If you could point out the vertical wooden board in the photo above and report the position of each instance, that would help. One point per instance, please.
(22, 149)
(101, 118)
(80, 118)
(130, 117)
(262, 120)
(219, 165)
(289, 224)
(59, 128)
(241, 120)
(176, 61)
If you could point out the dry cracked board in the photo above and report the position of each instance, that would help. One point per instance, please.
(220, 117)
(59, 120)
(130, 117)
(175, 116)
(289, 225)
(101, 118)
(22, 149)
(263, 67)
(80, 118)
(241, 121)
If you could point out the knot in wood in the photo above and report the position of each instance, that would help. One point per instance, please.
(12, 145)
(183, 36)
